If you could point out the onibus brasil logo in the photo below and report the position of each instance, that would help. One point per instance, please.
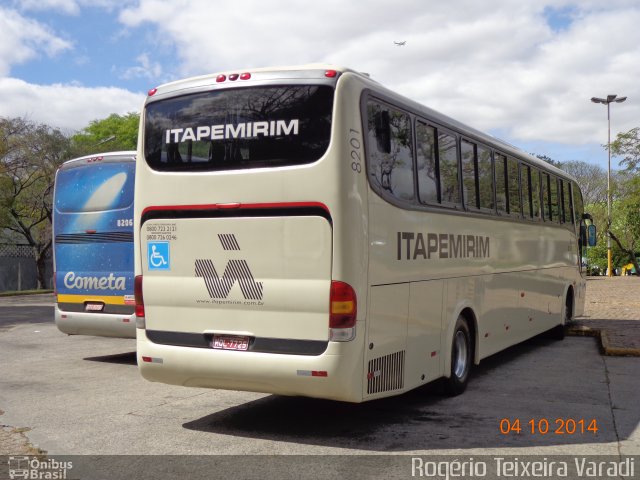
(235, 271)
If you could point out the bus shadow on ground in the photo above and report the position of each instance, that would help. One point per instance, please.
(127, 358)
(504, 386)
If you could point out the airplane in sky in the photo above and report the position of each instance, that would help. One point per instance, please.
(400, 44)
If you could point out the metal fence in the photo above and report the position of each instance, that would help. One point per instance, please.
(18, 270)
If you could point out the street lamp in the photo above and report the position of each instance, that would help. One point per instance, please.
(607, 101)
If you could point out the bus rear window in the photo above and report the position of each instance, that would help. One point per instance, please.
(95, 187)
(239, 128)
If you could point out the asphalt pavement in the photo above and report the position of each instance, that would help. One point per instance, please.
(79, 395)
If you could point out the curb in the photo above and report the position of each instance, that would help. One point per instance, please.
(606, 345)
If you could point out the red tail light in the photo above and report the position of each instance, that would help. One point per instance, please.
(343, 305)
(137, 290)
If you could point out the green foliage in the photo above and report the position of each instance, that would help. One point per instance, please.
(114, 133)
(547, 159)
(30, 153)
(627, 145)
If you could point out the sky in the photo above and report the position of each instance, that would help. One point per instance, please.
(522, 70)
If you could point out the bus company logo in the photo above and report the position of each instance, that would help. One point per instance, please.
(225, 131)
(235, 271)
(413, 246)
(111, 282)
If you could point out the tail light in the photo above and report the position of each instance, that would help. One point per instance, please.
(342, 312)
(137, 290)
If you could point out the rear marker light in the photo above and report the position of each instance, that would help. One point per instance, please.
(233, 77)
(331, 74)
(137, 290)
(152, 360)
(312, 373)
(245, 76)
(152, 92)
(221, 78)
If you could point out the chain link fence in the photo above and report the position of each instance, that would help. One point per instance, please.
(18, 270)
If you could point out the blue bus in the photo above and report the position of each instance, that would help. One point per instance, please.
(93, 245)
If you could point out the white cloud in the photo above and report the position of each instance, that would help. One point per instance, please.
(68, 107)
(69, 7)
(22, 39)
(145, 69)
(496, 65)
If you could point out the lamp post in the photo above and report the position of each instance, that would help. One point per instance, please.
(608, 101)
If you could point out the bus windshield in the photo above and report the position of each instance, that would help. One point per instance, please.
(239, 128)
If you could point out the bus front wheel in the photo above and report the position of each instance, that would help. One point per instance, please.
(461, 358)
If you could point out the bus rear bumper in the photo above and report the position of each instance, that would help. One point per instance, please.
(97, 324)
(329, 376)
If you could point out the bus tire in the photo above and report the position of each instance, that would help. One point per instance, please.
(558, 332)
(461, 358)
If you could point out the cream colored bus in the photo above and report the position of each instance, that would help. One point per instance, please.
(306, 231)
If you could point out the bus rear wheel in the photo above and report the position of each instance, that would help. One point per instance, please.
(558, 332)
(461, 359)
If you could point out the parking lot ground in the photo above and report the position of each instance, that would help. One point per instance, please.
(83, 396)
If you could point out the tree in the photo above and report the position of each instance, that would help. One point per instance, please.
(627, 145)
(625, 226)
(547, 159)
(30, 153)
(116, 132)
(591, 178)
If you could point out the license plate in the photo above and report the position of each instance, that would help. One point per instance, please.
(230, 342)
(93, 307)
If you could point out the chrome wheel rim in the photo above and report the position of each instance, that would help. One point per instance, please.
(461, 356)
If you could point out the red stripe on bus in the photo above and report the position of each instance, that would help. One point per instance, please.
(241, 206)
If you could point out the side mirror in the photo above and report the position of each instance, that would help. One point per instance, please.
(591, 235)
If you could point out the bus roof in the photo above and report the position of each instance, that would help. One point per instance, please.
(320, 71)
(108, 157)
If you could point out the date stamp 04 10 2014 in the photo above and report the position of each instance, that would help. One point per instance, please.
(549, 426)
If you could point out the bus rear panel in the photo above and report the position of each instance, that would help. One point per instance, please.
(93, 245)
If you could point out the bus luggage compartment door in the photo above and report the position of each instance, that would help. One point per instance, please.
(256, 277)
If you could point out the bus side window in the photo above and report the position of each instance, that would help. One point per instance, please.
(525, 177)
(514, 187)
(578, 207)
(546, 198)
(448, 162)
(535, 193)
(555, 204)
(469, 190)
(485, 178)
(427, 165)
(501, 182)
(566, 202)
(391, 163)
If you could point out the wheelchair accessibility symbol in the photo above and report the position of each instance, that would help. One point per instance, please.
(158, 255)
